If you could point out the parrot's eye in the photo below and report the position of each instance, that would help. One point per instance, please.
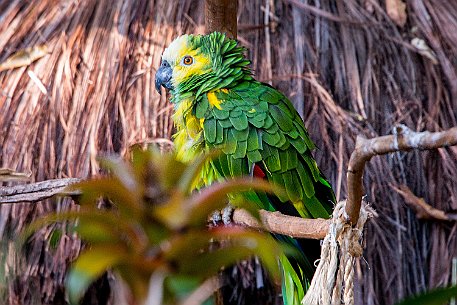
(187, 60)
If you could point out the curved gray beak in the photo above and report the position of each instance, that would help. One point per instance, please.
(163, 76)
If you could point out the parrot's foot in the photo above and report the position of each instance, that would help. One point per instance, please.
(227, 214)
(216, 217)
(224, 216)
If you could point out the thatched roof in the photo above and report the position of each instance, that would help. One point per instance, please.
(349, 66)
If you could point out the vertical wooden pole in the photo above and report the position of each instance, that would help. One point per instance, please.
(220, 15)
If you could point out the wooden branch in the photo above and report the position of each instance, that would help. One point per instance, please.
(8, 175)
(36, 191)
(221, 16)
(276, 222)
(422, 208)
(403, 139)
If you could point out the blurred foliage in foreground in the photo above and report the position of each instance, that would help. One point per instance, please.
(438, 296)
(155, 235)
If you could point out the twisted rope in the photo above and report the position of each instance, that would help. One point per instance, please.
(333, 282)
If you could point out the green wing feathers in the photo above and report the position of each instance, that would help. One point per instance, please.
(256, 124)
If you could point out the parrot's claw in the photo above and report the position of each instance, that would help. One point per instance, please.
(224, 216)
(216, 218)
(227, 214)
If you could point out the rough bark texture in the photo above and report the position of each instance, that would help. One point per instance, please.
(350, 68)
(283, 224)
(36, 191)
(220, 15)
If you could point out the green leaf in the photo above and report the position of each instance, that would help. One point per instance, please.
(437, 296)
(262, 245)
(181, 285)
(207, 264)
(183, 248)
(97, 232)
(93, 223)
(122, 171)
(129, 201)
(137, 279)
(243, 244)
(174, 214)
(89, 266)
(194, 169)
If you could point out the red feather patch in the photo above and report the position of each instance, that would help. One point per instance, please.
(258, 172)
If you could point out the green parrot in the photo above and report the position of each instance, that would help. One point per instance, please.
(219, 105)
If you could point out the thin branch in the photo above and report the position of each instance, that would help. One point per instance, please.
(8, 175)
(221, 16)
(276, 222)
(403, 139)
(203, 292)
(422, 208)
(36, 191)
(320, 12)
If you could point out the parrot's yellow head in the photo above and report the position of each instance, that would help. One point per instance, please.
(185, 59)
(195, 64)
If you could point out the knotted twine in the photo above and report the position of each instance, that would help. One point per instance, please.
(333, 282)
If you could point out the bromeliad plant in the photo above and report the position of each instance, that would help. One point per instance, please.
(156, 234)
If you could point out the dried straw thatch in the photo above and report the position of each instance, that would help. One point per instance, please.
(351, 67)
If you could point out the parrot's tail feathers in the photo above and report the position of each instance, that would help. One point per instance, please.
(294, 285)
